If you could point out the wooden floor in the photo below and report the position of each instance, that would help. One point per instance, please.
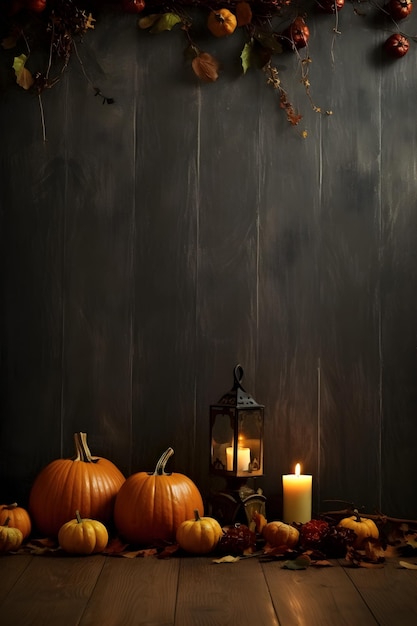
(194, 591)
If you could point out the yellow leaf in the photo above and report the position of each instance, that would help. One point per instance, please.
(23, 77)
(227, 559)
(408, 565)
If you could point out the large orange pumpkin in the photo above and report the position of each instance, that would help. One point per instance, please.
(87, 484)
(150, 507)
(18, 518)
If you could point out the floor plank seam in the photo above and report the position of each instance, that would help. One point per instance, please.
(79, 622)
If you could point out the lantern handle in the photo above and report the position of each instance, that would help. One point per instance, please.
(238, 376)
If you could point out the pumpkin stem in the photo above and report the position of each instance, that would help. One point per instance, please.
(197, 515)
(78, 516)
(10, 506)
(82, 449)
(358, 517)
(163, 460)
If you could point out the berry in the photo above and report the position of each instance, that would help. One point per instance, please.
(313, 533)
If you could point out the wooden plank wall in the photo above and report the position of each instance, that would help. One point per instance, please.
(149, 246)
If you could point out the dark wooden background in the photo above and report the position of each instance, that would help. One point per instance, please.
(151, 245)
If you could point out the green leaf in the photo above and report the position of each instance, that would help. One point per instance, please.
(268, 40)
(246, 56)
(301, 562)
(167, 21)
(19, 63)
(23, 77)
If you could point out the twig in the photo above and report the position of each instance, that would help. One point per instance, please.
(42, 117)
(374, 516)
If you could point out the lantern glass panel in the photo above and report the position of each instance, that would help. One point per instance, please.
(236, 441)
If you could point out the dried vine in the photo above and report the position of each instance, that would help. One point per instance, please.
(269, 28)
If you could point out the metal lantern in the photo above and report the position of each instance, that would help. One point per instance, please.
(236, 452)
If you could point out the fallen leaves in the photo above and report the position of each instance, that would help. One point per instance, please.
(205, 67)
(408, 565)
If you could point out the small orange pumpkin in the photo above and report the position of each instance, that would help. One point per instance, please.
(280, 534)
(363, 527)
(83, 536)
(150, 506)
(199, 535)
(297, 34)
(18, 518)
(222, 22)
(10, 538)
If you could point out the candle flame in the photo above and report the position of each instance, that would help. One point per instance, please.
(297, 469)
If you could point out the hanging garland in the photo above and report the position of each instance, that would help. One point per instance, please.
(55, 27)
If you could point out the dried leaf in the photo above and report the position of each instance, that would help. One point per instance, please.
(132, 554)
(268, 40)
(115, 546)
(258, 518)
(148, 20)
(412, 540)
(408, 565)
(374, 550)
(206, 67)
(243, 13)
(9, 42)
(227, 559)
(168, 551)
(369, 565)
(275, 550)
(322, 563)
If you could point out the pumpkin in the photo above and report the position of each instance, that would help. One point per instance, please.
(280, 534)
(396, 45)
(330, 6)
(199, 535)
(83, 536)
(297, 34)
(18, 518)
(222, 22)
(133, 6)
(86, 483)
(151, 506)
(363, 528)
(10, 538)
(37, 6)
(399, 9)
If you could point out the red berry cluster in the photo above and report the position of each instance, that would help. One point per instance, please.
(312, 533)
(236, 539)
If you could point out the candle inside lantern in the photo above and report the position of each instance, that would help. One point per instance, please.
(243, 459)
(297, 497)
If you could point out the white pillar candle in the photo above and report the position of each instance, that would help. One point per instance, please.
(297, 497)
(243, 459)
